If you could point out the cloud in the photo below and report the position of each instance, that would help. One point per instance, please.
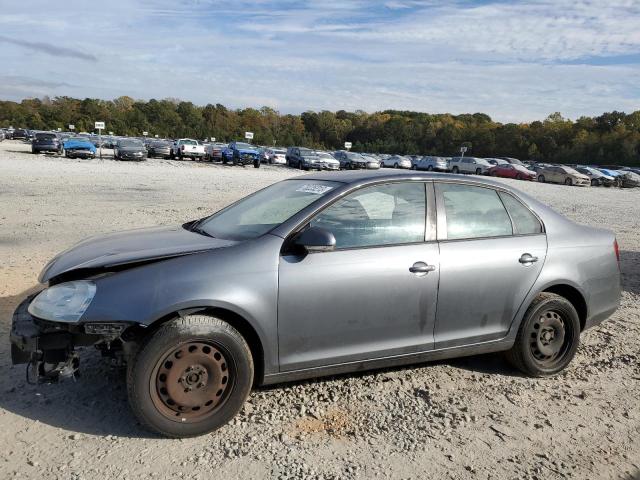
(50, 49)
(514, 60)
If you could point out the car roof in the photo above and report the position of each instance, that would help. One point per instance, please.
(370, 176)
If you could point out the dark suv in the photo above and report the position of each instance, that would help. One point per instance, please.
(302, 158)
(46, 142)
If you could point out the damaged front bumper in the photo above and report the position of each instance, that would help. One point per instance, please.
(48, 347)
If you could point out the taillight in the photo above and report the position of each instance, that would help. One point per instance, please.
(617, 250)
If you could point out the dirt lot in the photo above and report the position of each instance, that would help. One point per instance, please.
(467, 418)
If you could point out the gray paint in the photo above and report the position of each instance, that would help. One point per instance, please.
(349, 310)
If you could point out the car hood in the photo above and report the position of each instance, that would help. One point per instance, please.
(243, 151)
(131, 246)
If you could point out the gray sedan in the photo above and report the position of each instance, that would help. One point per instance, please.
(284, 285)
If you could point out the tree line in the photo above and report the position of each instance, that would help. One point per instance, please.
(611, 138)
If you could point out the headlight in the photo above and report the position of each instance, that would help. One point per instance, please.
(65, 302)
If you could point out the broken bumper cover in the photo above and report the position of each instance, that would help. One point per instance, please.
(32, 339)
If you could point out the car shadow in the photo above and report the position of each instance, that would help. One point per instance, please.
(630, 268)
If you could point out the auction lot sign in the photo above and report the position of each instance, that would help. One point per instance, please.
(99, 125)
(248, 135)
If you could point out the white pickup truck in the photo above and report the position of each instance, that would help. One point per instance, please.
(479, 166)
(187, 147)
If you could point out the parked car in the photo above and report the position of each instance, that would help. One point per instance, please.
(302, 158)
(635, 170)
(512, 170)
(396, 161)
(327, 161)
(596, 176)
(479, 166)
(285, 285)
(629, 179)
(2, 135)
(78, 147)
(187, 148)
(213, 152)
(46, 142)
(429, 162)
(563, 174)
(159, 148)
(19, 134)
(276, 156)
(240, 153)
(129, 149)
(354, 161)
(372, 161)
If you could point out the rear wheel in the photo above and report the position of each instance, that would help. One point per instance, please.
(190, 377)
(594, 182)
(395, 165)
(478, 171)
(548, 336)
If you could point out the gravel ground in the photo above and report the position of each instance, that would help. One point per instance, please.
(468, 418)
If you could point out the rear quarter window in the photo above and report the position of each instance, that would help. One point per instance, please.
(524, 221)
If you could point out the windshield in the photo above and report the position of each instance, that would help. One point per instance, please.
(256, 214)
(188, 142)
(130, 143)
(244, 145)
(324, 155)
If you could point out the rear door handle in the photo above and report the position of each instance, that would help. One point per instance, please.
(421, 268)
(527, 259)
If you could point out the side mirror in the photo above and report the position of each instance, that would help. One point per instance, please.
(315, 239)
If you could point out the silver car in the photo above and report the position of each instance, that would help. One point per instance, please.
(396, 161)
(438, 164)
(285, 285)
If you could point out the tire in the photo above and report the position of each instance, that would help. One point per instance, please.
(455, 169)
(256, 164)
(478, 171)
(395, 165)
(493, 173)
(519, 177)
(300, 165)
(568, 181)
(541, 178)
(595, 182)
(543, 357)
(224, 377)
(414, 167)
(430, 168)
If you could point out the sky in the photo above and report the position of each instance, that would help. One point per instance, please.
(514, 60)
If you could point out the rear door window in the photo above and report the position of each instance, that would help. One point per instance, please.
(524, 221)
(473, 212)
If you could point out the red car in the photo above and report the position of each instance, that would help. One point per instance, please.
(511, 170)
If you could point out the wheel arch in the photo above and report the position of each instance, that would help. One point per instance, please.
(237, 321)
(574, 296)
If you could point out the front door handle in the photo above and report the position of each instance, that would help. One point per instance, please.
(421, 268)
(527, 259)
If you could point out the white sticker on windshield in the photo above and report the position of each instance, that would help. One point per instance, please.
(314, 188)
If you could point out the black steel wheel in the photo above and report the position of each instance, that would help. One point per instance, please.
(455, 169)
(190, 377)
(541, 178)
(548, 337)
(568, 181)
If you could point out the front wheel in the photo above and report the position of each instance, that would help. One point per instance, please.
(478, 171)
(190, 377)
(256, 164)
(548, 336)
(568, 182)
(455, 169)
(541, 178)
(594, 182)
